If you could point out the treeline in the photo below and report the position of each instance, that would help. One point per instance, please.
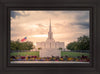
(17, 45)
(83, 43)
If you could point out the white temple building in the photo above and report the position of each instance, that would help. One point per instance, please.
(50, 47)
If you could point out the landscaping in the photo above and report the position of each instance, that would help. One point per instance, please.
(34, 56)
(34, 53)
(63, 53)
(74, 54)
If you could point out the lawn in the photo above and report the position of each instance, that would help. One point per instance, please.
(74, 54)
(36, 53)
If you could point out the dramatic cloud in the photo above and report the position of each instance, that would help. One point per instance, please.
(14, 14)
(67, 26)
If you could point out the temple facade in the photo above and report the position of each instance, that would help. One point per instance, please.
(50, 47)
(50, 42)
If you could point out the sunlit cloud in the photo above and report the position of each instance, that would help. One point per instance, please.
(39, 36)
(67, 26)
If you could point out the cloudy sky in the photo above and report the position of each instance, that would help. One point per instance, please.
(67, 26)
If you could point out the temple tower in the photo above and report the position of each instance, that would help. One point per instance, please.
(50, 33)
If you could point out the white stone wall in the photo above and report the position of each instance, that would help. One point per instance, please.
(49, 52)
(50, 44)
(60, 45)
(40, 45)
(53, 45)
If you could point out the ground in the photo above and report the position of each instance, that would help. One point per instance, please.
(36, 53)
(74, 54)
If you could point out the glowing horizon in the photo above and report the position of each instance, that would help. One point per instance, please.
(67, 26)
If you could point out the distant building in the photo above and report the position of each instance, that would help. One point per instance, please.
(50, 47)
(50, 42)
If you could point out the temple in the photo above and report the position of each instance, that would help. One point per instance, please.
(50, 47)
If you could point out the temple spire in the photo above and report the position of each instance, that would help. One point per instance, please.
(50, 26)
(50, 34)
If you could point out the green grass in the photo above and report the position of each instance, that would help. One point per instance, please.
(36, 53)
(74, 54)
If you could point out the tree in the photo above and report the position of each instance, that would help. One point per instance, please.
(17, 45)
(39, 48)
(72, 46)
(60, 49)
(13, 45)
(81, 44)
